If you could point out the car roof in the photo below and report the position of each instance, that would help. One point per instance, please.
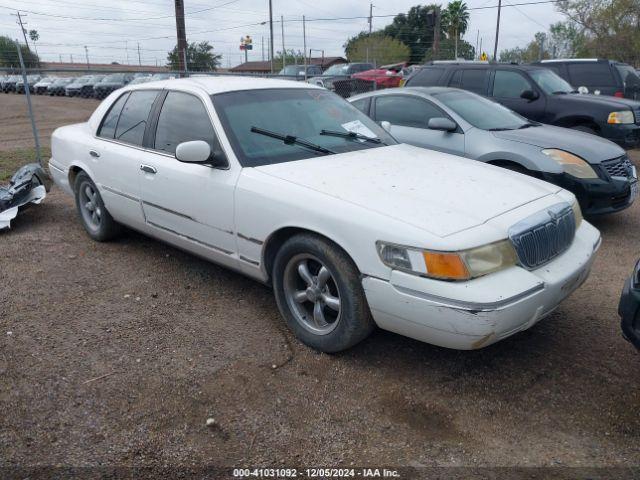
(221, 84)
(515, 66)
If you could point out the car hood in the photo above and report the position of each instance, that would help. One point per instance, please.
(439, 193)
(601, 100)
(590, 147)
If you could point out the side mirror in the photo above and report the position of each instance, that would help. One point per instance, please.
(196, 151)
(443, 124)
(386, 125)
(529, 95)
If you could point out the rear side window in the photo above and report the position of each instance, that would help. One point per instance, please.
(426, 77)
(509, 84)
(586, 74)
(110, 121)
(134, 116)
(183, 118)
(406, 111)
(474, 80)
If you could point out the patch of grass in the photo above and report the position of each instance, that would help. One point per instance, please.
(11, 160)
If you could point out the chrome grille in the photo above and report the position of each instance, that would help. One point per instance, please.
(620, 167)
(543, 236)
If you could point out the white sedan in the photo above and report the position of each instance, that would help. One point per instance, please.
(291, 185)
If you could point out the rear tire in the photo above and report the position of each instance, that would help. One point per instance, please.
(95, 218)
(319, 293)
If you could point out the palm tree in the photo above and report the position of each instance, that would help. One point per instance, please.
(455, 20)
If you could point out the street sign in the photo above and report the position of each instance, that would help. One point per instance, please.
(483, 57)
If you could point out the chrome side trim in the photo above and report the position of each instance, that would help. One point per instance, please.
(471, 307)
(116, 192)
(191, 239)
(159, 207)
(249, 239)
(248, 260)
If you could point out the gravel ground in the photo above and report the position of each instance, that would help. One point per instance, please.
(117, 353)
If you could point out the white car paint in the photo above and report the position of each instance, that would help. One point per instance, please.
(398, 194)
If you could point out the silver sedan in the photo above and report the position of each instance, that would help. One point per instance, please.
(463, 123)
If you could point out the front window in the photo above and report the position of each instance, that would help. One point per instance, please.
(629, 76)
(508, 84)
(114, 78)
(482, 113)
(550, 82)
(300, 113)
(292, 70)
(340, 69)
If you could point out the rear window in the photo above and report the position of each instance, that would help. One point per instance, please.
(591, 74)
(426, 77)
(110, 121)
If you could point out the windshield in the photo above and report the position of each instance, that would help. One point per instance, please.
(115, 78)
(480, 112)
(292, 70)
(550, 82)
(297, 112)
(337, 69)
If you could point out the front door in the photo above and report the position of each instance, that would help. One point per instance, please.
(409, 116)
(192, 203)
(508, 86)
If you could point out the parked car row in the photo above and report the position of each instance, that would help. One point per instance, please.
(87, 86)
(291, 185)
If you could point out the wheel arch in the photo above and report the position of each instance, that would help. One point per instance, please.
(277, 238)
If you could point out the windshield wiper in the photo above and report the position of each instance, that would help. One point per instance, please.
(292, 140)
(499, 129)
(350, 136)
(527, 125)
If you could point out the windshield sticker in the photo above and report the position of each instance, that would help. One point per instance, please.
(358, 127)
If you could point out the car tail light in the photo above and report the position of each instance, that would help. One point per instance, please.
(619, 94)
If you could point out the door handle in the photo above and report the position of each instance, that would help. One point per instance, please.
(148, 169)
(94, 154)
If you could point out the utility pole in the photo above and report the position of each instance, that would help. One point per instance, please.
(86, 53)
(28, 95)
(477, 37)
(370, 20)
(284, 52)
(304, 45)
(181, 33)
(24, 30)
(262, 46)
(139, 59)
(436, 34)
(495, 47)
(270, 34)
(71, 57)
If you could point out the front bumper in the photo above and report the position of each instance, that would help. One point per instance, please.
(596, 196)
(474, 314)
(625, 135)
(629, 309)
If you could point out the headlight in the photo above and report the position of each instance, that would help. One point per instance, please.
(461, 265)
(621, 117)
(577, 213)
(572, 164)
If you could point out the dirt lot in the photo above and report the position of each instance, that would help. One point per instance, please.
(116, 354)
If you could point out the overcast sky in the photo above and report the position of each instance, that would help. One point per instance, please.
(113, 29)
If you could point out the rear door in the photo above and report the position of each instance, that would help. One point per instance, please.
(507, 89)
(409, 116)
(475, 80)
(193, 203)
(117, 154)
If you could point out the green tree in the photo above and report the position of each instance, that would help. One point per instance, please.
(200, 58)
(34, 35)
(378, 49)
(415, 29)
(292, 57)
(537, 49)
(609, 28)
(448, 50)
(9, 54)
(455, 20)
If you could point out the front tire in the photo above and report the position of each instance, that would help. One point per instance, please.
(95, 218)
(319, 293)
